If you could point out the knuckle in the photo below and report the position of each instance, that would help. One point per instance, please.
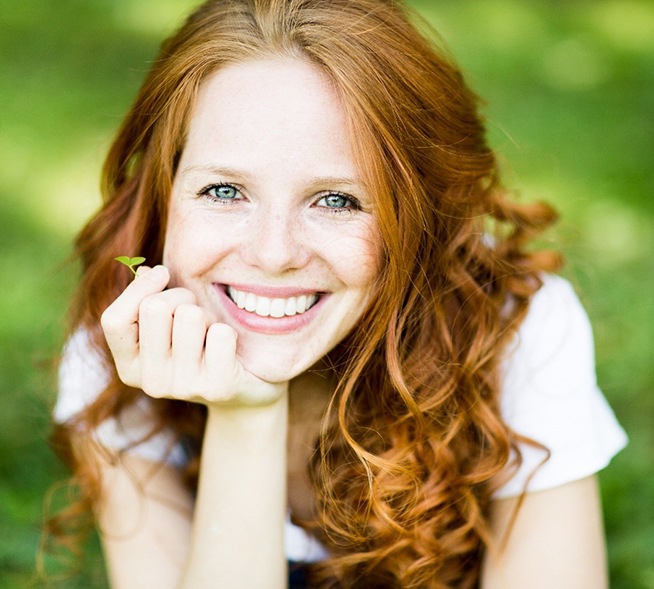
(128, 376)
(152, 307)
(151, 385)
(183, 294)
(189, 312)
(188, 388)
(222, 331)
(109, 322)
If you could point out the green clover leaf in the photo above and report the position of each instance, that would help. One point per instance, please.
(131, 263)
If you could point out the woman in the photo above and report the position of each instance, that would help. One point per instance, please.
(341, 354)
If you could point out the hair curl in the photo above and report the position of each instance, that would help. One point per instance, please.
(413, 442)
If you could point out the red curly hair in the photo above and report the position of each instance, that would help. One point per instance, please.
(413, 441)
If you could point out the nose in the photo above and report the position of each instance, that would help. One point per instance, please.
(277, 242)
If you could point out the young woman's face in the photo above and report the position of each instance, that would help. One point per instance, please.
(269, 223)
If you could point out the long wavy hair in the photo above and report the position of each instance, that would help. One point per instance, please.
(413, 443)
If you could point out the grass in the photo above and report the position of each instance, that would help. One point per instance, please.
(569, 103)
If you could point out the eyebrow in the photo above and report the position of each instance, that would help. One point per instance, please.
(216, 170)
(235, 173)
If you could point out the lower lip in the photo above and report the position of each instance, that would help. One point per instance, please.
(269, 325)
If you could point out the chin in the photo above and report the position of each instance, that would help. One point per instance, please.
(273, 368)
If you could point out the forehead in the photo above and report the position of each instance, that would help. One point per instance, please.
(272, 111)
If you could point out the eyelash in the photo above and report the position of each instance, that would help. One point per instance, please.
(354, 203)
(213, 198)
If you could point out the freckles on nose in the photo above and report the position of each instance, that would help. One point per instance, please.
(275, 243)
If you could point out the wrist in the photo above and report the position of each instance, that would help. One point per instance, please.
(241, 418)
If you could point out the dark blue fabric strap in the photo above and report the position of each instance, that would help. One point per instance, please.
(297, 575)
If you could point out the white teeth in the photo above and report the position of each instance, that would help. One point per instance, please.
(263, 307)
(250, 302)
(291, 307)
(277, 307)
(266, 307)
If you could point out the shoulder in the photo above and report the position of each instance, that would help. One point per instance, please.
(84, 374)
(553, 346)
(550, 393)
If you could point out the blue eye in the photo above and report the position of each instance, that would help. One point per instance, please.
(221, 192)
(338, 202)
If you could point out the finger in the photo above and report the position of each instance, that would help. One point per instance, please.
(190, 324)
(220, 360)
(120, 320)
(155, 319)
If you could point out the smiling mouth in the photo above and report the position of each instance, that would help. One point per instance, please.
(271, 307)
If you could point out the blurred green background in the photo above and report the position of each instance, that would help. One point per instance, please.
(570, 102)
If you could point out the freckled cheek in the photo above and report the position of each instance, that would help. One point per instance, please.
(191, 245)
(175, 244)
(358, 262)
(169, 250)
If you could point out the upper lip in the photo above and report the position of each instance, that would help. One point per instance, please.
(279, 292)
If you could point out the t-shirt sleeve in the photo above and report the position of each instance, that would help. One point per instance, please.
(550, 394)
(83, 376)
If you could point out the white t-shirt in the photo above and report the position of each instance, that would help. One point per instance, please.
(549, 395)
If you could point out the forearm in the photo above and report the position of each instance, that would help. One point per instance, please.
(238, 528)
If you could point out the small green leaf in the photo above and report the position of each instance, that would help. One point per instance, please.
(131, 263)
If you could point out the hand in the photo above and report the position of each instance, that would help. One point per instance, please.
(168, 346)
